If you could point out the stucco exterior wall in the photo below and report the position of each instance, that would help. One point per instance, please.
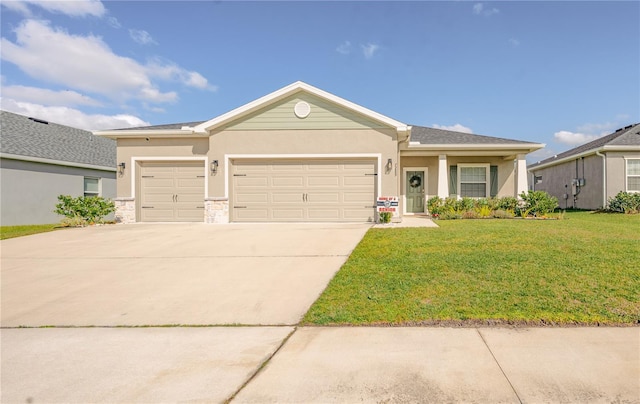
(556, 180)
(506, 171)
(29, 191)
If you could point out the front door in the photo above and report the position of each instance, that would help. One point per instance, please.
(415, 191)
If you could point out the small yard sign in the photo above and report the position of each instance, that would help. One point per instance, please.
(387, 204)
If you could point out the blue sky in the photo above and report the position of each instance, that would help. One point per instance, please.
(560, 73)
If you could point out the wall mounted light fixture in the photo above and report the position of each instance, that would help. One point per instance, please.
(389, 164)
(121, 168)
(214, 166)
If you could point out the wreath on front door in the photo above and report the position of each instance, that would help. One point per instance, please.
(415, 181)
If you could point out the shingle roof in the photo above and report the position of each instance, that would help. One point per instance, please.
(24, 136)
(627, 136)
(427, 136)
(165, 126)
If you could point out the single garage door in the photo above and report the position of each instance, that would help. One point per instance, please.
(303, 190)
(172, 191)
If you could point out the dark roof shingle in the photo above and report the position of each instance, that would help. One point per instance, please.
(627, 136)
(427, 136)
(24, 136)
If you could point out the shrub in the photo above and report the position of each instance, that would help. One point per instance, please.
(83, 210)
(507, 203)
(385, 217)
(503, 214)
(537, 203)
(484, 211)
(470, 214)
(434, 206)
(625, 202)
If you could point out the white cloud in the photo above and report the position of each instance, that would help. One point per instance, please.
(602, 128)
(114, 23)
(87, 64)
(369, 50)
(456, 128)
(48, 97)
(141, 36)
(344, 48)
(514, 42)
(171, 71)
(573, 138)
(72, 117)
(75, 8)
(479, 9)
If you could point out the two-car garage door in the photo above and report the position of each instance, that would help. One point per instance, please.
(303, 190)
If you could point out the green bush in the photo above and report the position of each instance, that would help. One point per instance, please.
(537, 203)
(385, 217)
(83, 210)
(434, 206)
(625, 202)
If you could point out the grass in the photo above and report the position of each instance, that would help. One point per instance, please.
(582, 270)
(25, 230)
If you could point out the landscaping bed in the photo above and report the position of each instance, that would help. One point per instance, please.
(582, 270)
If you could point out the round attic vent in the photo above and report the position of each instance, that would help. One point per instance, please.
(302, 109)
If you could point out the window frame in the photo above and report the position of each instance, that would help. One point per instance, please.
(487, 182)
(91, 193)
(627, 175)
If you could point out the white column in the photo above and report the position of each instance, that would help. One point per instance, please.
(443, 183)
(522, 184)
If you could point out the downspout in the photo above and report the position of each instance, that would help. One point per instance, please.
(604, 178)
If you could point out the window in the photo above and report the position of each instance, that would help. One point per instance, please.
(474, 180)
(91, 186)
(538, 179)
(633, 175)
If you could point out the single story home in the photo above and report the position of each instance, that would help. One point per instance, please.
(40, 160)
(586, 177)
(303, 154)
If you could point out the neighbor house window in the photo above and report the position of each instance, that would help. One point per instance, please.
(633, 175)
(473, 180)
(91, 186)
(538, 179)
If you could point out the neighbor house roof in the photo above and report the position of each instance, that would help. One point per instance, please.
(622, 139)
(34, 139)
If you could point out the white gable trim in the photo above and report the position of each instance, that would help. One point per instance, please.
(290, 90)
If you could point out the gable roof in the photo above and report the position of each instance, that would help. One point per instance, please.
(623, 138)
(289, 90)
(38, 140)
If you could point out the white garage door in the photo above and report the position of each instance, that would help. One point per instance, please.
(303, 190)
(172, 191)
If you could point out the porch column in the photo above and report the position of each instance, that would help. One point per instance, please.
(521, 175)
(443, 183)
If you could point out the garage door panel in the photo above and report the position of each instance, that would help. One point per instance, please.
(156, 214)
(287, 197)
(287, 182)
(254, 214)
(245, 198)
(251, 182)
(251, 167)
(312, 190)
(287, 214)
(323, 181)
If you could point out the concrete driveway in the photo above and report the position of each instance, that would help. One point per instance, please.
(162, 274)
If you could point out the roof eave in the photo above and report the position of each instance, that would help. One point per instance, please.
(528, 147)
(605, 148)
(138, 133)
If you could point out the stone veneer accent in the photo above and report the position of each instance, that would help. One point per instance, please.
(125, 210)
(216, 210)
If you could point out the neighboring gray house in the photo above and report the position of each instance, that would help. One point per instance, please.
(587, 176)
(40, 160)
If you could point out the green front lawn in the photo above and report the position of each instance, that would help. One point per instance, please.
(19, 231)
(584, 269)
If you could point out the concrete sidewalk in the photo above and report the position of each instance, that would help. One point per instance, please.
(486, 365)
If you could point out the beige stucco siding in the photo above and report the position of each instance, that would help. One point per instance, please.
(302, 143)
(155, 148)
(617, 171)
(506, 174)
(323, 115)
